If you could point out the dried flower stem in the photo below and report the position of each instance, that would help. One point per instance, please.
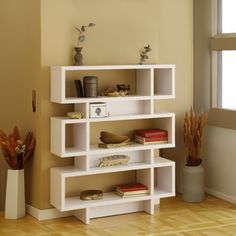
(82, 31)
(193, 135)
(16, 151)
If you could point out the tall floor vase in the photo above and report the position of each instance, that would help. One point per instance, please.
(193, 184)
(15, 194)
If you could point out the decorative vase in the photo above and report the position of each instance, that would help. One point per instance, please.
(15, 194)
(193, 184)
(78, 57)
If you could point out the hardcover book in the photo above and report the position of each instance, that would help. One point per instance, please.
(153, 139)
(150, 142)
(132, 195)
(151, 133)
(126, 193)
(131, 187)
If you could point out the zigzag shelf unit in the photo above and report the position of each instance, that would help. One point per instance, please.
(72, 138)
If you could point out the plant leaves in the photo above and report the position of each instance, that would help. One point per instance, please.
(83, 28)
(78, 29)
(81, 38)
(91, 25)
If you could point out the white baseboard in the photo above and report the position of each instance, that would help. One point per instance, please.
(221, 195)
(46, 214)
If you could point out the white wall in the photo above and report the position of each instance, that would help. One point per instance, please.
(219, 155)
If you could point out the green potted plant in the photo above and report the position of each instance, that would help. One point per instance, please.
(193, 172)
(16, 152)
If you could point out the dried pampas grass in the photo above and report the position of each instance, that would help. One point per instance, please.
(193, 135)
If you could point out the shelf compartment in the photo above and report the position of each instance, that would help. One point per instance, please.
(124, 108)
(127, 127)
(136, 158)
(65, 140)
(164, 82)
(65, 189)
(63, 88)
(164, 179)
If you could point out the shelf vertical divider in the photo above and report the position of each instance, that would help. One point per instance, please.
(82, 215)
(152, 90)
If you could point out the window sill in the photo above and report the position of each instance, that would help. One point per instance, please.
(222, 118)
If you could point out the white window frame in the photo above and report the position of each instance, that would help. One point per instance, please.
(219, 41)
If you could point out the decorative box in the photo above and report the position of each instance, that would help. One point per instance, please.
(98, 109)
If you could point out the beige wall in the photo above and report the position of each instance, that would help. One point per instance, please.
(19, 75)
(122, 29)
(219, 148)
(175, 45)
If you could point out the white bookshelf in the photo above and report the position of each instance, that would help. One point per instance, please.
(71, 138)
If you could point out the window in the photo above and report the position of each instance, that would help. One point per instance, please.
(227, 79)
(226, 21)
(223, 47)
(227, 16)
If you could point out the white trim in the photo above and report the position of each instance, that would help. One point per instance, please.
(214, 12)
(221, 195)
(46, 214)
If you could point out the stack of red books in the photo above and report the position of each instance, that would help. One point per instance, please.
(131, 190)
(151, 136)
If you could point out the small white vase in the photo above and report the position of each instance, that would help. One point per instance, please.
(193, 184)
(15, 194)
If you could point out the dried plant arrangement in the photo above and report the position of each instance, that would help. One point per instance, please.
(82, 30)
(15, 150)
(193, 135)
(143, 54)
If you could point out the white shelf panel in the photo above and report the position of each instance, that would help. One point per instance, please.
(94, 149)
(70, 100)
(133, 117)
(73, 151)
(161, 193)
(66, 120)
(111, 198)
(111, 67)
(162, 97)
(72, 171)
(162, 162)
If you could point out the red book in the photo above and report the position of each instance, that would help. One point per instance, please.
(152, 139)
(131, 187)
(151, 133)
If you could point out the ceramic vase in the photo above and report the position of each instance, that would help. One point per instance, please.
(78, 57)
(15, 194)
(193, 184)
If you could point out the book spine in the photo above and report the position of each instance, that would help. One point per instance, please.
(131, 192)
(132, 195)
(153, 142)
(151, 139)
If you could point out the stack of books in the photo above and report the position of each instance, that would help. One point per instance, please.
(151, 136)
(131, 190)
